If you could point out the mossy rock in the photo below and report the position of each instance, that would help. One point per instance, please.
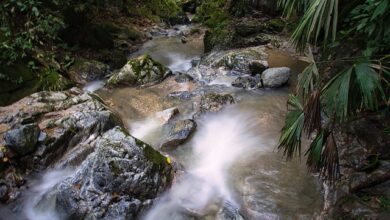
(51, 80)
(142, 70)
(85, 70)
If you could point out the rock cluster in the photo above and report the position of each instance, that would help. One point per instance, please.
(142, 70)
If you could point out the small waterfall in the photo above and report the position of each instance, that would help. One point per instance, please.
(221, 140)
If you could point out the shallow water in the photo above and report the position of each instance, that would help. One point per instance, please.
(231, 158)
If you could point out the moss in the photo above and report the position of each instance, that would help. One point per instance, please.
(275, 25)
(151, 154)
(51, 80)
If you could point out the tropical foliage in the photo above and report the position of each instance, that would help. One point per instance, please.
(336, 88)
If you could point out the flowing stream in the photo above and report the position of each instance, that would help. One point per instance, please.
(231, 158)
(229, 162)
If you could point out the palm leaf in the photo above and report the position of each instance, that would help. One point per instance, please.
(320, 17)
(369, 84)
(315, 151)
(330, 159)
(335, 95)
(290, 139)
(312, 112)
(308, 80)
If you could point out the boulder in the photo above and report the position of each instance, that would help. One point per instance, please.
(167, 115)
(65, 119)
(247, 82)
(84, 71)
(183, 78)
(257, 67)
(276, 77)
(179, 132)
(142, 70)
(214, 102)
(244, 60)
(229, 212)
(119, 180)
(22, 140)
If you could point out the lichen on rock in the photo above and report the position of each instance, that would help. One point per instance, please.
(142, 70)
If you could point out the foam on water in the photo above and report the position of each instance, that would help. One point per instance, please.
(220, 141)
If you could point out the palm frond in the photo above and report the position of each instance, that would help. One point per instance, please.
(292, 7)
(312, 112)
(308, 79)
(330, 159)
(315, 151)
(335, 94)
(320, 17)
(355, 89)
(290, 139)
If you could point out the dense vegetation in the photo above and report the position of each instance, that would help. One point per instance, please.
(40, 39)
(348, 77)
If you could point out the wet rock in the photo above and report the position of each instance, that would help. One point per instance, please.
(183, 40)
(258, 67)
(240, 60)
(179, 132)
(119, 180)
(248, 82)
(84, 71)
(229, 212)
(214, 102)
(181, 95)
(168, 114)
(195, 62)
(142, 70)
(3, 192)
(276, 77)
(22, 140)
(183, 78)
(68, 121)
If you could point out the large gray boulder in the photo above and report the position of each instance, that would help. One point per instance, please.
(276, 77)
(119, 180)
(241, 60)
(22, 140)
(142, 70)
(65, 120)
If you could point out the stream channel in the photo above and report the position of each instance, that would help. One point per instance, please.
(231, 157)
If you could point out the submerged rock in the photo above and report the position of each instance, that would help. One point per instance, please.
(179, 132)
(84, 71)
(168, 114)
(142, 70)
(181, 95)
(276, 77)
(248, 82)
(229, 212)
(183, 78)
(214, 102)
(22, 140)
(119, 180)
